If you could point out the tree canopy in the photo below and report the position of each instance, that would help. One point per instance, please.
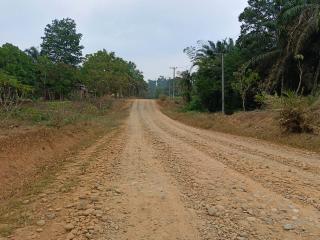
(58, 69)
(105, 73)
(61, 42)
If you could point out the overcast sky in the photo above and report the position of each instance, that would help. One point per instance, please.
(152, 33)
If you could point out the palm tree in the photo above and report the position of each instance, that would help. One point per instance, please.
(298, 22)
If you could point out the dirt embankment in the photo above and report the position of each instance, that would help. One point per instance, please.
(29, 152)
(257, 124)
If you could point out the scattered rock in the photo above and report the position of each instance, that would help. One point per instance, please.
(88, 235)
(213, 211)
(82, 205)
(288, 227)
(69, 206)
(98, 213)
(251, 219)
(41, 222)
(68, 227)
(70, 236)
(51, 216)
(242, 238)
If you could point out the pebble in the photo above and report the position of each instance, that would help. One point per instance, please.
(251, 219)
(41, 222)
(82, 205)
(51, 216)
(68, 227)
(288, 227)
(88, 235)
(213, 212)
(70, 236)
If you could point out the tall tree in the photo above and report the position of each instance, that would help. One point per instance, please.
(61, 42)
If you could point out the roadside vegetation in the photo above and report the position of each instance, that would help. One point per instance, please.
(56, 113)
(273, 66)
(58, 71)
(56, 85)
(257, 124)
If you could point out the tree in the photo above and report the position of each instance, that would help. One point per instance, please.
(61, 42)
(259, 31)
(44, 75)
(185, 82)
(275, 32)
(206, 56)
(299, 58)
(244, 81)
(33, 52)
(105, 73)
(17, 63)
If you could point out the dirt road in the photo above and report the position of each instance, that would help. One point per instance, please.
(156, 178)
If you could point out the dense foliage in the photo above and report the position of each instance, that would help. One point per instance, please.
(160, 87)
(59, 71)
(61, 42)
(104, 73)
(277, 51)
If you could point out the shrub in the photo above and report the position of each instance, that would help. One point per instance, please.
(296, 115)
(12, 92)
(194, 105)
(163, 97)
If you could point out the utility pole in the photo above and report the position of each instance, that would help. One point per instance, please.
(222, 79)
(169, 87)
(173, 80)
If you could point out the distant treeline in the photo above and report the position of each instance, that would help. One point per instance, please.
(278, 51)
(161, 87)
(58, 70)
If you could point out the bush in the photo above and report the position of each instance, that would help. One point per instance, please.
(163, 97)
(296, 115)
(295, 120)
(194, 105)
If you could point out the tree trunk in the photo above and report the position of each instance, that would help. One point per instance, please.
(282, 85)
(315, 80)
(300, 78)
(244, 103)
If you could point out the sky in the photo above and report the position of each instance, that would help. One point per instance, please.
(151, 33)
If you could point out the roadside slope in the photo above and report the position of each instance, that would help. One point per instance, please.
(29, 152)
(257, 124)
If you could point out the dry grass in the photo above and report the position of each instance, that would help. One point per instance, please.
(258, 124)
